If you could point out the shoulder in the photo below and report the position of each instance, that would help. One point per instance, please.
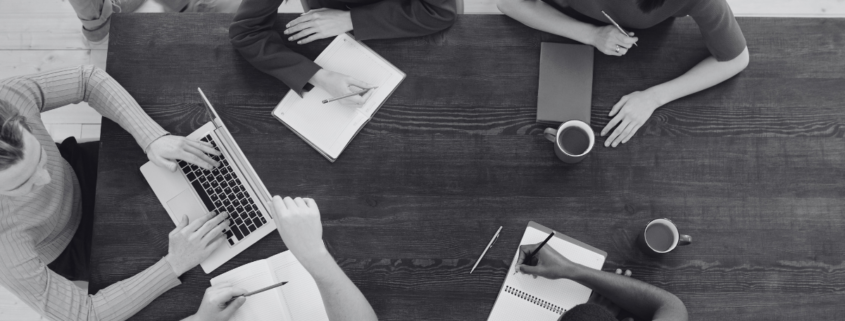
(706, 7)
(16, 248)
(20, 92)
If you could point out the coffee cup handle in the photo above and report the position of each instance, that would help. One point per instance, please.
(684, 240)
(551, 134)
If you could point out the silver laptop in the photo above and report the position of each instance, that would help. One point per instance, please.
(232, 187)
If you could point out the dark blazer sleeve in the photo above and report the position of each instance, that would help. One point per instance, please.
(402, 18)
(253, 36)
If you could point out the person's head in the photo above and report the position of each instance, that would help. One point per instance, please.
(587, 312)
(22, 159)
(647, 5)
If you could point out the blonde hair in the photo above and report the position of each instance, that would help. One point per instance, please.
(12, 125)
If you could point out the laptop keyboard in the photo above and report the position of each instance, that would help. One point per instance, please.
(221, 190)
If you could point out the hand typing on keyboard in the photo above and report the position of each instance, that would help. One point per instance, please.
(221, 190)
(192, 242)
(166, 150)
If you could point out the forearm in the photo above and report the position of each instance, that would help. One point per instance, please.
(111, 100)
(343, 300)
(125, 298)
(252, 34)
(705, 74)
(640, 298)
(59, 299)
(541, 16)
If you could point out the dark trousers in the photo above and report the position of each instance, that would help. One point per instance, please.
(73, 262)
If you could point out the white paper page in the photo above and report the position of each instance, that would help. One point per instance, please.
(330, 126)
(264, 306)
(561, 292)
(301, 292)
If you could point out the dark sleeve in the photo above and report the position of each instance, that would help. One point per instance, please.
(253, 36)
(719, 28)
(402, 18)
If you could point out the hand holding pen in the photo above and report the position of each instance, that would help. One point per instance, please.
(612, 40)
(540, 260)
(219, 303)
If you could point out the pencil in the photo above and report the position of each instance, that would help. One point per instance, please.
(617, 26)
(257, 291)
(326, 101)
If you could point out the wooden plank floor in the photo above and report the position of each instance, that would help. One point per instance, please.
(38, 35)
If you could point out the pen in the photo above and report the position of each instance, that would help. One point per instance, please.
(326, 101)
(530, 257)
(257, 291)
(489, 245)
(617, 26)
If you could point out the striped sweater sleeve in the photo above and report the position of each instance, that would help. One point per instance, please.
(59, 299)
(61, 87)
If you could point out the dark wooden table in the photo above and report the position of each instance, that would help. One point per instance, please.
(752, 168)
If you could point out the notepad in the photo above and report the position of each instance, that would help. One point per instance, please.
(523, 297)
(298, 300)
(566, 83)
(330, 127)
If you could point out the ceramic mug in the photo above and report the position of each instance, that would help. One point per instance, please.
(661, 236)
(573, 140)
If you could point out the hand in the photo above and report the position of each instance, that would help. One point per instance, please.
(215, 306)
(606, 38)
(166, 149)
(599, 299)
(298, 222)
(632, 111)
(340, 85)
(190, 244)
(550, 264)
(318, 24)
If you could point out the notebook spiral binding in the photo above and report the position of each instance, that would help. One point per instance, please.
(533, 299)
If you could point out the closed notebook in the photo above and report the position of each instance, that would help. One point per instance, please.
(330, 127)
(298, 300)
(566, 83)
(523, 297)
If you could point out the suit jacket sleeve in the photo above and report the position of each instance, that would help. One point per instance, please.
(253, 36)
(402, 18)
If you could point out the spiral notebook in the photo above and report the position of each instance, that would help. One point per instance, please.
(523, 297)
(298, 300)
(330, 127)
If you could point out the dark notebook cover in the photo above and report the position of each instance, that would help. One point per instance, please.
(566, 83)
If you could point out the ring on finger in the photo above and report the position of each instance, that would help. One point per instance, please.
(617, 48)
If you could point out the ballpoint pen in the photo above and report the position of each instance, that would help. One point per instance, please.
(489, 245)
(617, 26)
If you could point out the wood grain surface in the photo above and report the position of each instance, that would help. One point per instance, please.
(751, 168)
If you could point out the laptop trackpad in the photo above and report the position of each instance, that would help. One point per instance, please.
(186, 203)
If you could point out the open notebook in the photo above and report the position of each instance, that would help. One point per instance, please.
(298, 300)
(330, 127)
(523, 297)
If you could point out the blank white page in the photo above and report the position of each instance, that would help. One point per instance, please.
(329, 127)
(301, 293)
(561, 293)
(264, 306)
